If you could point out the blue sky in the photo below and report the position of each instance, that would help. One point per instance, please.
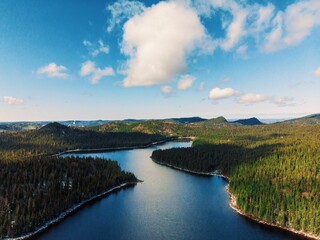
(122, 59)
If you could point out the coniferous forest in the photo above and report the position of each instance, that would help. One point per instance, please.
(38, 190)
(274, 170)
(36, 187)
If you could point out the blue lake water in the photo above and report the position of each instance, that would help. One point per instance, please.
(169, 204)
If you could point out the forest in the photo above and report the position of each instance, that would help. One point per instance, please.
(274, 170)
(37, 190)
(36, 187)
(54, 138)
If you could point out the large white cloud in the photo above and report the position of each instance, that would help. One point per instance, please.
(12, 100)
(52, 70)
(221, 93)
(186, 82)
(158, 41)
(89, 68)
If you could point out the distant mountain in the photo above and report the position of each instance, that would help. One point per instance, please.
(162, 127)
(55, 128)
(184, 120)
(133, 120)
(218, 120)
(80, 123)
(248, 122)
(310, 119)
(188, 120)
(215, 122)
(19, 126)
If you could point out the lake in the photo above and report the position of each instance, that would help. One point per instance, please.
(169, 204)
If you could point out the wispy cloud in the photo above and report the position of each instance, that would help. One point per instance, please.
(300, 83)
(317, 72)
(242, 51)
(293, 25)
(201, 86)
(10, 100)
(272, 29)
(52, 70)
(283, 101)
(88, 69)
(122, 10)
(96, 49)
(225, 80)
(167, 90)
(186, 82)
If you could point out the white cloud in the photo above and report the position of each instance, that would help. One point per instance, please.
(186, 82)
(242, 51)
(87, 43)
(52, 70)
(283, 101)
(88, 68)
(12, 100)
(122, 10)
(262, 16)
(201, 86)
(237, 28)
(167, 90)
(271, 28)
(158, 42)
(96, 49)
(221, 93)
(317, 72)
(250, 98)
(293, 25)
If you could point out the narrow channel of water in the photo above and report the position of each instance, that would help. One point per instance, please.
(169, 204)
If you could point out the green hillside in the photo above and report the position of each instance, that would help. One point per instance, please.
(310, 119)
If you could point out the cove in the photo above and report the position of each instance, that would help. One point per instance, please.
(169, 204)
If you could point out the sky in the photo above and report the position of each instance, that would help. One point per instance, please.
(86, 60)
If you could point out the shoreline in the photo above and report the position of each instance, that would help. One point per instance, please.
(233, 202)
(73, 209)
(110, 149)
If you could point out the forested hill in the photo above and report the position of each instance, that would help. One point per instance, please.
(56, 137)
(36, 188)
(311, 119)
(274, 169)
(158, 127)
(248, 122)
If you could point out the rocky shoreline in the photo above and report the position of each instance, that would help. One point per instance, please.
(72, 209)
(233, 202)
